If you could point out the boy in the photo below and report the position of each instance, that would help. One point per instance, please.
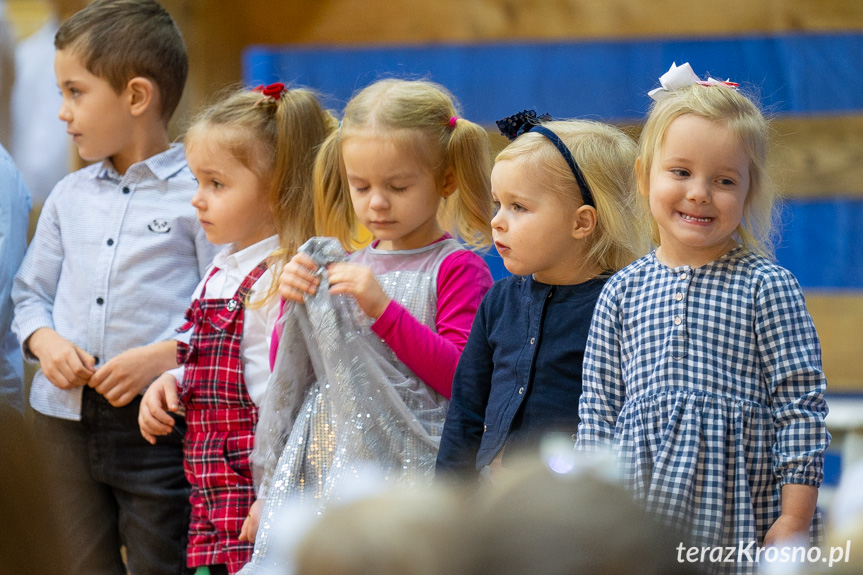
(116, 255)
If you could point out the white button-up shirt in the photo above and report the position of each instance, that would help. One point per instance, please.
(259, 318)
(111, 267)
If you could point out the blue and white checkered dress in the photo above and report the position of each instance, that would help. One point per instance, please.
(707, 383)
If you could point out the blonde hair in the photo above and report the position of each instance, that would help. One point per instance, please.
(732, 109)
(409, 531)
(535, 520)
(277, 139)
(606, 157)
(418, 113)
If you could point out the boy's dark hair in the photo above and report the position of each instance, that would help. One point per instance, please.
(121, 39)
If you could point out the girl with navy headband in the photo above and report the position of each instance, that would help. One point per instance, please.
(564, 195)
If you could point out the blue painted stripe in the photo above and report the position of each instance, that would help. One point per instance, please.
(794, 74)
(822, 242)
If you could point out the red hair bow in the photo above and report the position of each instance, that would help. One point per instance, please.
(274, 91)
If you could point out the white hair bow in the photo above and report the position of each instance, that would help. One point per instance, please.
(680, 76)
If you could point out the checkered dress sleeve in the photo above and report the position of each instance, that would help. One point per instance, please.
(603, 388)
(790, 356)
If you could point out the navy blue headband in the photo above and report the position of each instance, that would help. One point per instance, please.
(527, 121)
(586, 196)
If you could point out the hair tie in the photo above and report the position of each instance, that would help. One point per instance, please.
(452, 122)
(527, 121)
(274, 90)
(681, 76)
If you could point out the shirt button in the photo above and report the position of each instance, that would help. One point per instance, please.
(485, 428)
(520, 390)
(100, 301)
(677, 320)
(683, 276)
(678, 296)
(110, 242)
(532, 340)
(126, 189)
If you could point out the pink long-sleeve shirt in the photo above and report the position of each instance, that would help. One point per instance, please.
(463, 279)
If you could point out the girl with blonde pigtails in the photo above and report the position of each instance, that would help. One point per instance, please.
(370, 341)
(252, 154)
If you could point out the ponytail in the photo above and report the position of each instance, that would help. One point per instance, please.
(334, 212)
(429, 111)
(275, 134)
(301, 126)
(470, 208)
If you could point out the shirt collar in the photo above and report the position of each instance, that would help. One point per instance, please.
(161, 166)
(246, 260)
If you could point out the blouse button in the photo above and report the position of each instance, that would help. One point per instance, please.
(110, 242)
(678, 296)
(520, 390)
(100, 301)
(126, 189)
(677, 320)
(484, 428)
(683, 276)
(532, 340)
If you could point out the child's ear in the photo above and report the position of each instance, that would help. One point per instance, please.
(449, 183)
(141, 93)
(641, 179)
(584, 222)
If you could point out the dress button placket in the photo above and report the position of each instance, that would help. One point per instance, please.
(680, 289)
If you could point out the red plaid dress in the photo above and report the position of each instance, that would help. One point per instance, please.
(221, 421)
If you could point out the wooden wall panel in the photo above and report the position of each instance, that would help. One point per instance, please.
(217, 30)
(813, 156)
(818, 156)
(409, 21)
(838, 318)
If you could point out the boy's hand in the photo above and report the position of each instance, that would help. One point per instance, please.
(64, 364)
(297, 278)
(250, 525)
(123, 377)
(154, 417)
(359, 281)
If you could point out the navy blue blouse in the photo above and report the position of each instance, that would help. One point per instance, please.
(519, 375)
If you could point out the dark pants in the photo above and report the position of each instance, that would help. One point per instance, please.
(117, 490)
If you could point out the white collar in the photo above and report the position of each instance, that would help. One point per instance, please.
(246, 259)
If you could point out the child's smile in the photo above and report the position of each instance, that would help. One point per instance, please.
(697, 191)
(695, 219)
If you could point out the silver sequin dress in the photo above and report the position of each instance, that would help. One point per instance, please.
(339, 399)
